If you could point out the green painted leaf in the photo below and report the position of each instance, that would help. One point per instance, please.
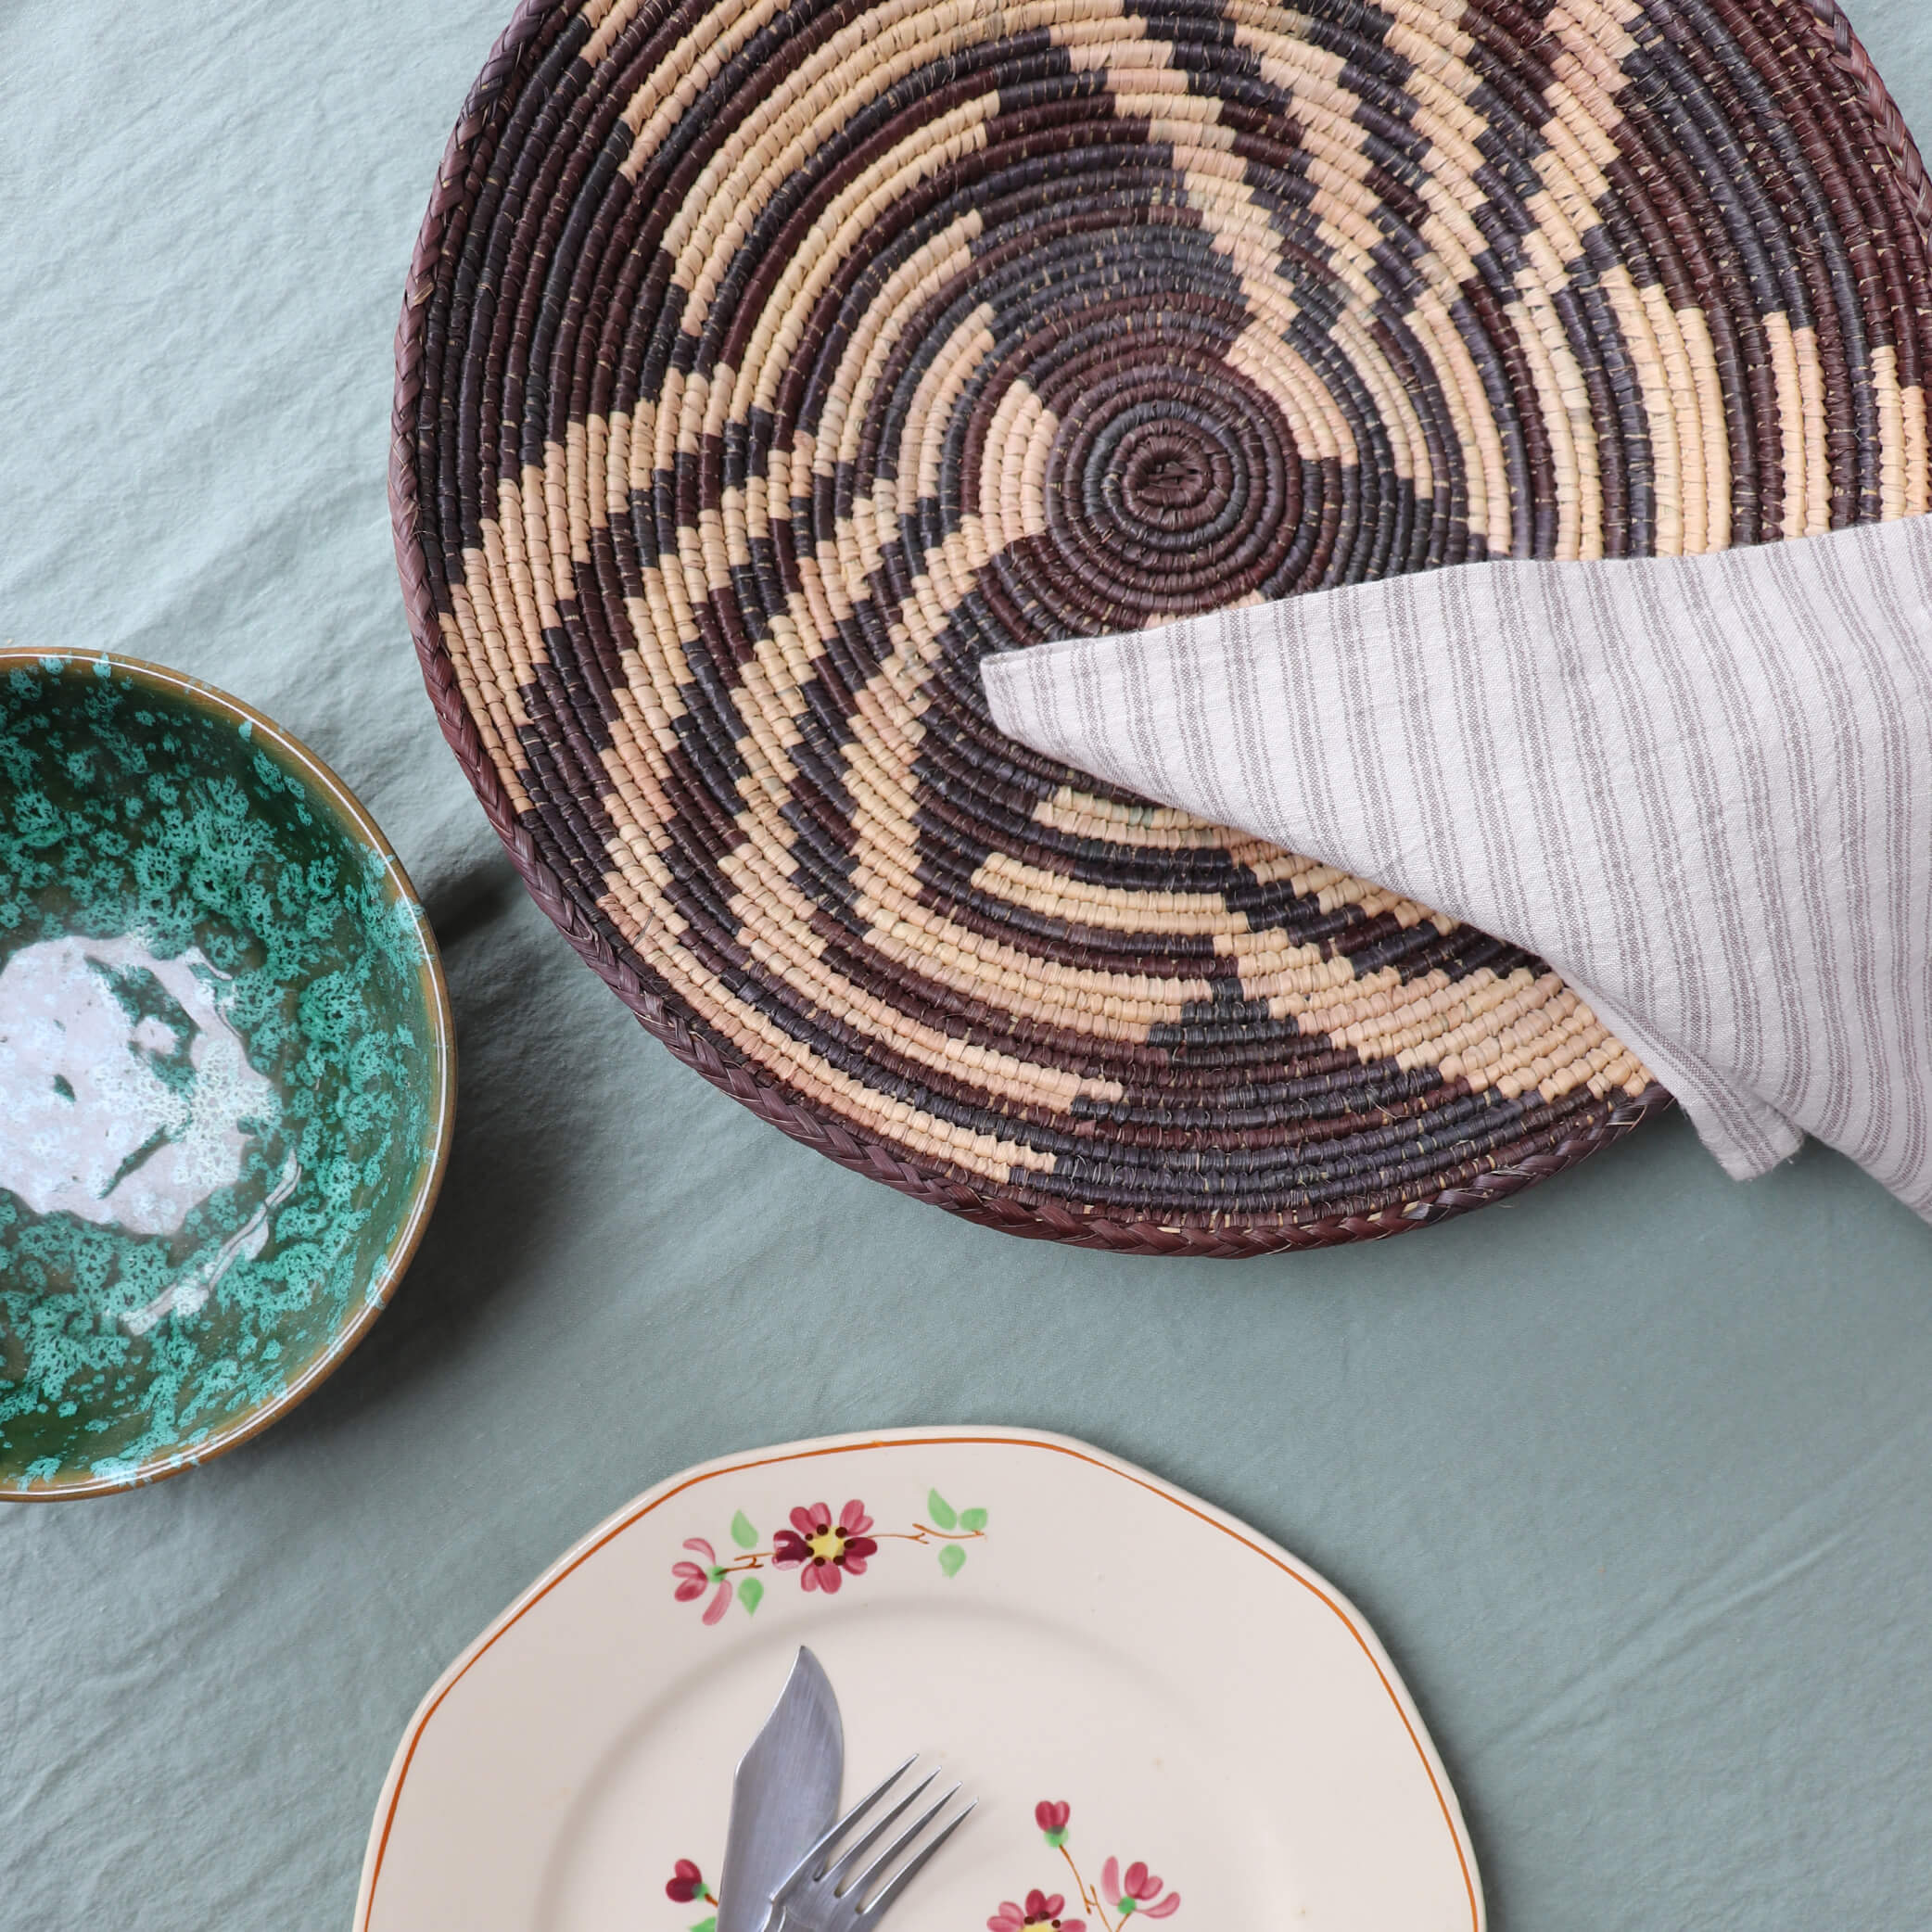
(952, 1560)
(972, 1519)
(709, 1924)
(943, 1512)
(751, 1594)
(1055, 1839)
(743, 1534)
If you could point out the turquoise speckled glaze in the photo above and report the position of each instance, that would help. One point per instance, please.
(226, 1073)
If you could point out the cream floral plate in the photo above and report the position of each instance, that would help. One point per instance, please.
(1162, 1715)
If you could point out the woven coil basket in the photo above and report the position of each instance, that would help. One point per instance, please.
(762, 367)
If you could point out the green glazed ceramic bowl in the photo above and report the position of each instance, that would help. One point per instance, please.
(226, 1073)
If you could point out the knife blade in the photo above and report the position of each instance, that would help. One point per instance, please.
(784, 1796)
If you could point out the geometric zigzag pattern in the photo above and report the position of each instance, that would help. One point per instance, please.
(765, 366)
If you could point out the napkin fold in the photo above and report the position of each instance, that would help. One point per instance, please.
(1699, 787)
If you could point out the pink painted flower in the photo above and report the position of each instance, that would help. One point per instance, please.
(686, 1883)
(1052, 1819)
(824, 1551)
(1136, 1891)
(694, 1579)
(1041, 1912)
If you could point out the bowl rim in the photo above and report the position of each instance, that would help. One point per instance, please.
(355, 819)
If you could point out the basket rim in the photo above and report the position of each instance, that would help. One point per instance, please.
(661, 1017)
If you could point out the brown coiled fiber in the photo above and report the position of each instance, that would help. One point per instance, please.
(762, 367)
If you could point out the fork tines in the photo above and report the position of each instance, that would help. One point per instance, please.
(826, 1891)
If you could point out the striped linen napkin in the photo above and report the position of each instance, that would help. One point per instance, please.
(1700, 788)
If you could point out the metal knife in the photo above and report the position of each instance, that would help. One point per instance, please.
(783, 1798)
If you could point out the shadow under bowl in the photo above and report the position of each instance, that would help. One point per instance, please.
(227, 1073)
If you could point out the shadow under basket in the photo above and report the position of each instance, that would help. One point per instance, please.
(763, 368)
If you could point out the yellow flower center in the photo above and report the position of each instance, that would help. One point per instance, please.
(828, 1544)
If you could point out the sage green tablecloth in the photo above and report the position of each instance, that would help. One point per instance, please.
(1631, 1475)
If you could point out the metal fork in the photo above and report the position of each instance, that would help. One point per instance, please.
(826, 1897)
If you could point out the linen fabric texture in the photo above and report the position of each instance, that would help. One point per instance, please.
(1699, 787)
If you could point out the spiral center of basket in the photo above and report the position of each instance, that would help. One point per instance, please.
(1165, 476)
(1169, 482)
